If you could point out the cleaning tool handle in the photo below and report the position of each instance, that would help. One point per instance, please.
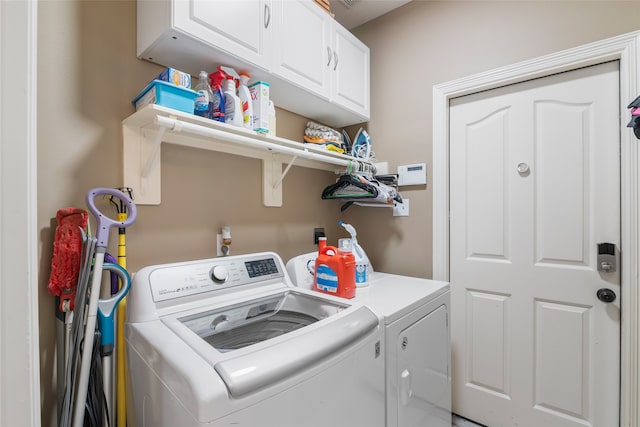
(87, 348)
(104, 222)
(114, 276)
(107, 306)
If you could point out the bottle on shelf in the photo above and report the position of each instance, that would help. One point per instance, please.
(232, 106)
(245, 100)
(217, 79)
(204, 100)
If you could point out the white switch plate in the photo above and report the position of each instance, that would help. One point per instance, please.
(401, 209)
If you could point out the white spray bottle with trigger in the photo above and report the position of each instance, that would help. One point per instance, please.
(363, 266)
(245, 100)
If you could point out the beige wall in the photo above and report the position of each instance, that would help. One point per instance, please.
(88, 73)
(425, 43)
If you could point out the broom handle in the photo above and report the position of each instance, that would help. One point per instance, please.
(85, 369)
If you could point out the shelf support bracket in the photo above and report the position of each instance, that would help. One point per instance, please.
(141, 162)
(286, 171)
(155, 149)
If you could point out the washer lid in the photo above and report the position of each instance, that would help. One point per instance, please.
(252, 371)
(249, 322)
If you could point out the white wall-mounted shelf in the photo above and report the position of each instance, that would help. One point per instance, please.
(144, 132)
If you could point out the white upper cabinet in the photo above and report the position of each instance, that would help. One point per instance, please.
(314, 66)
(302, 45)
(315, 52)
(350, 71)
(238, 27)
(194, 35)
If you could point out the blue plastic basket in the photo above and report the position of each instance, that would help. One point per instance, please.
(167, 95)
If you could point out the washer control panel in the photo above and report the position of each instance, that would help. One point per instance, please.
(179, 280)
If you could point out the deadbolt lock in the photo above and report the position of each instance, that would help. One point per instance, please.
(607, 257)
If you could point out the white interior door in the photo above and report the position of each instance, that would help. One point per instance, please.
(534, 187)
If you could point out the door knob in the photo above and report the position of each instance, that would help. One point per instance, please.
(606, 295)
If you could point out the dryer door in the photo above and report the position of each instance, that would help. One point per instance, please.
(423, 372)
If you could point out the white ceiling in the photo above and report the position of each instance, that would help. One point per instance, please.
(362, 10)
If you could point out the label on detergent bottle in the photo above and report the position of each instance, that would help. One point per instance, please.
(326, 279)
(361, 274)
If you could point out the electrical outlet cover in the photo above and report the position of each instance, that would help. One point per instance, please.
(401, 209)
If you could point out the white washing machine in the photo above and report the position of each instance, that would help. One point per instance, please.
(231, 341)
(418, 345)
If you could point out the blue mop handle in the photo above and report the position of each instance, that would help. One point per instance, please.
(107, 306)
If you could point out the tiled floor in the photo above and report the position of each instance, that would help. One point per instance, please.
(461, 422)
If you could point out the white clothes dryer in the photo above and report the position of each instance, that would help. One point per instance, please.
(418, 344)
(231, 341)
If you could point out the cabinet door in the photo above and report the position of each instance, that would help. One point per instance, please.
(241, 28)
(350, 71)
(302, 51)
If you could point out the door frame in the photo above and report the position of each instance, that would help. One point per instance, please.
(19, 334)
(626, 49)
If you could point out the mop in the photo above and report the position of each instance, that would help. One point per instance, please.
(67, 249)
(63, 279)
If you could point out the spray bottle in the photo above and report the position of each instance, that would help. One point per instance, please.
(232, 105)
(217, 79)
(363, 266)
(245, 100)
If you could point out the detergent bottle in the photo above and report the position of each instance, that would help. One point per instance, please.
(245, 100)
(335, 270)
(232, 105)
(217, 79)
(363, 266)
(204, 100)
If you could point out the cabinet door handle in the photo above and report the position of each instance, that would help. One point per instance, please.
(335, 64)
(267, 16)
(329, 55)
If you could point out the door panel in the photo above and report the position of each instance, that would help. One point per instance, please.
(534, 187)
(560, 381)
(485, 213)
(561, 191)
(488, 342)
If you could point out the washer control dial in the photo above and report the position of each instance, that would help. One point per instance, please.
(219, 274)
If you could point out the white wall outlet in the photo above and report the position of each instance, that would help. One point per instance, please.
(401, 209)
(219, 245)
(221, 248)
